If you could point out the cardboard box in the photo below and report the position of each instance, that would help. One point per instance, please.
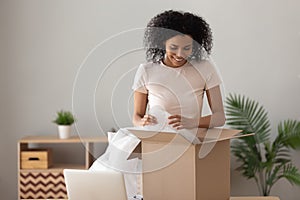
(254, 198)
(36, 159)
(173, 170)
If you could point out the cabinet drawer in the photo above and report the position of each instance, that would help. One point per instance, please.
(42, 185)
(36, 159)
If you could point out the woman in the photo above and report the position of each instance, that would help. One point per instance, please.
(175, 78)
(178, 73)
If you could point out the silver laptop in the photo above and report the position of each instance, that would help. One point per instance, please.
(94, 185)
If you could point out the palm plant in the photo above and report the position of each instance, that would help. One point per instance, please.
(260, 159)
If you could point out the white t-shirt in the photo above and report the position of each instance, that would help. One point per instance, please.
(177, 90)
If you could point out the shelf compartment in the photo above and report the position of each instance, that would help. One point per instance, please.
(42, 185)
(49, 183)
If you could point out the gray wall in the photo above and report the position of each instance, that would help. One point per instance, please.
(76, 55)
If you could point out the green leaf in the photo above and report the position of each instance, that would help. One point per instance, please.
(289, 132)
(64, 118)
(274, 175)
(249, 159)
(292, 174)
(247, 115)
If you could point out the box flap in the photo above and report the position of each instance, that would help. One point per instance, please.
(204, 135)
(145, 135)
(218, 134)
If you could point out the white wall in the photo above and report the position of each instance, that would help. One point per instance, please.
(44, 45)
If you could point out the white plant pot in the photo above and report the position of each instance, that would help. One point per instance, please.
(64, 131)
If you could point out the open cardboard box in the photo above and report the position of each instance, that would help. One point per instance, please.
(254, 198)
(172, 169)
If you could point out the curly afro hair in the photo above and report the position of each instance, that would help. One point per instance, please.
(171, 23)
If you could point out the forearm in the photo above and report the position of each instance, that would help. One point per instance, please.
(214, 120)
(136, 120)
(140, 105)
(217, 118)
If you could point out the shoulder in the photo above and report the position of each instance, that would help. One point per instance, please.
(149, 67)
(204, 66)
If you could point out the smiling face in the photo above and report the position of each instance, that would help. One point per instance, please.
(178, 49)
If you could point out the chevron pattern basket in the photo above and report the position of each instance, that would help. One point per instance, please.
(42, 185)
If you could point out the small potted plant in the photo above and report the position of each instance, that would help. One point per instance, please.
(64, 120)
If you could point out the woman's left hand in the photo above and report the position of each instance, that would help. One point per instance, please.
(180, 122)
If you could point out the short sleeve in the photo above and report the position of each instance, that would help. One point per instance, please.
(140, 80)
(212, 78)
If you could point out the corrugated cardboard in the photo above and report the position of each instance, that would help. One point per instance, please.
(254, 198)
(172, 169)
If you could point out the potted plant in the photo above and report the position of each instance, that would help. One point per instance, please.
(64, 120)
(261, 159)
